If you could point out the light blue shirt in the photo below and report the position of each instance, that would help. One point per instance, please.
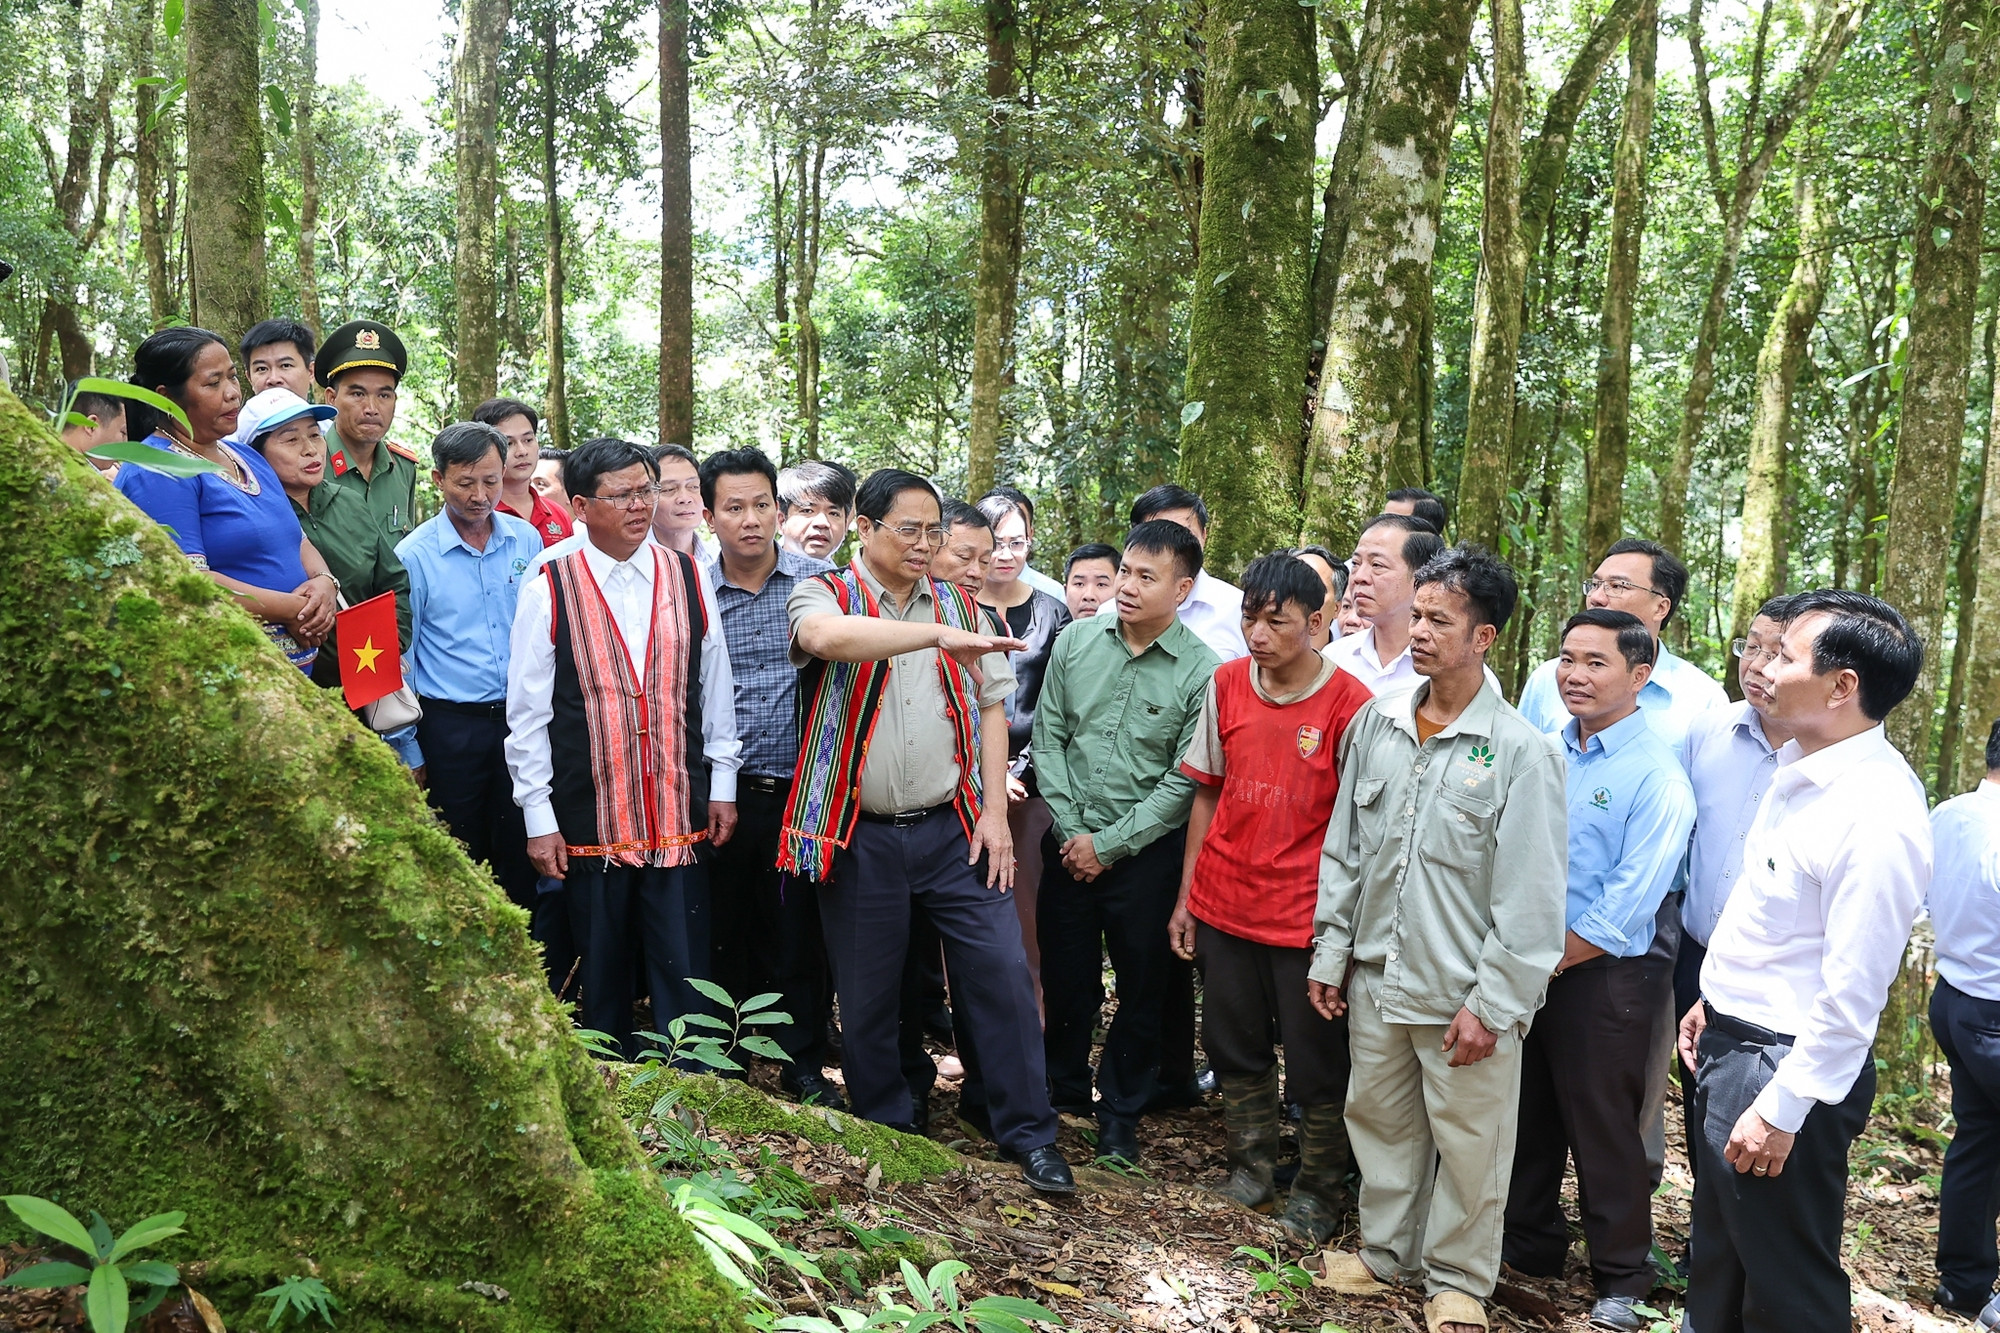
(1630, 809)
(1964, 895)
(1678, 693)
(462, 606)
(1730, 762)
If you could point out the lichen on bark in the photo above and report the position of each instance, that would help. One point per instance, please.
(245, 974)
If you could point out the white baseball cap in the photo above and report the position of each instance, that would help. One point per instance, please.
(272, 409)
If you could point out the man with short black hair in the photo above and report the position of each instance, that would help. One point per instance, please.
(816, 507)
(622, 744)
(466, 566)
(278, 353)
(361, 368)
(518, 422)
(767, 931)
(1964, 902)
(106, 418)
(1383, 584)
(967, 551)
(1265, 752)
(677, 515)
(1417, 503)
(1214, 610)
(1088, 577)
(1798, 970)
(1440, 919)
(548, 478)
(1031, 576)
(1117, 710)
(1585, 1064)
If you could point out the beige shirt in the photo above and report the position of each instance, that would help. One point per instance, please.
(1446, 863)
(910, 764)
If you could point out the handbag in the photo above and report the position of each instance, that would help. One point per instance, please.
(391, 712)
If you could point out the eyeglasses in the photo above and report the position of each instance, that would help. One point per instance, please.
(1017, 545)
(1749, 654)
(1618, 587)
(637, 499)
(913, 534)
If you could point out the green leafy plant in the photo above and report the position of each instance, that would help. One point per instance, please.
(1287, 1280)
(935, 1303)
(705, 1039)
(301, 1298)
(737, 1246)
(1663, 1321)
(132, 451)
(111, 1265)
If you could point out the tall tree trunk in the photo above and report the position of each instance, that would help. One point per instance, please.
(555, 277)
(805, 337)
(1496, 302)
(1760, 563)
(146, 173)
(1000, 212)
(1981, 691)
(1944, 283)
(475, 91)
(1611, 432)
(372, 1045)
(1757, 148)
(1372, 354)
(1247, 329)
(225, 166)
(309, 172)
(1336, 214)
(676, 230)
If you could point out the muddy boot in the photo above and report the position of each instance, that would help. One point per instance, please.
(1319, 1195)
(1250, 1117)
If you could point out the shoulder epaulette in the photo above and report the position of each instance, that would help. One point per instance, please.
(403, 451)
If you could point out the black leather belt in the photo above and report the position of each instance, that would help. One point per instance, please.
(905, 818)
(1737, 1029)
(496, 708)
(763, 782)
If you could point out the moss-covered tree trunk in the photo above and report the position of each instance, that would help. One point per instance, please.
(148, 136)
(555, 270)
(225, 167)
(1496, 304)
(308, 169)
(996, 287)
(1248, 322)
(1944, 282)
(1982, 669)
(1358, 439)
(1760, 563)
(677, 231)
(475, 93)
(244, 973)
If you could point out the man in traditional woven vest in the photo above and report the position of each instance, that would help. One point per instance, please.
(622, 742)
(902, 732)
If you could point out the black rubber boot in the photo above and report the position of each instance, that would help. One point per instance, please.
(1250, 1117)
(1319, 1194)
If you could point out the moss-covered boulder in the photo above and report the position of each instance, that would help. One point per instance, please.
(245, 974)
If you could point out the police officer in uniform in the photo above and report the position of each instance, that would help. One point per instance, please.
(360, 366)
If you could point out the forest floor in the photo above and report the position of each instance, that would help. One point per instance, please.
(1158, 1251)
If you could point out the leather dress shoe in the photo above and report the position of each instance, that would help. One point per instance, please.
(814, 1087)
(1118, 1141)
(1045, 1170)
(1618, 1312)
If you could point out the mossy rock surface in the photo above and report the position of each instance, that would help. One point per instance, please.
(737, 1110)
(245, 974)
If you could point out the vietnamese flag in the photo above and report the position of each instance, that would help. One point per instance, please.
(371, 660)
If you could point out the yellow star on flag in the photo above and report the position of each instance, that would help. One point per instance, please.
(365, 655)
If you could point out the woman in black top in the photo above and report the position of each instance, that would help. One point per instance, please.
(1036, 618)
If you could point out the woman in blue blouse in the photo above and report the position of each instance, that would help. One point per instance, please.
(236, 523)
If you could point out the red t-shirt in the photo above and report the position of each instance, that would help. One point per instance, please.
(1258, 872)
(551, 522)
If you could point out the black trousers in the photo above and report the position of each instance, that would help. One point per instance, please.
(1766, 1249)
(1584, 1071)
(467, 783)
(1253, 999)
(883, 874)
(766, 925)
(1125, 911)
(1967, 1029)
(630, 919)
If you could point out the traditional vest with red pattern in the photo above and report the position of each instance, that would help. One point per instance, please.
(631, 781)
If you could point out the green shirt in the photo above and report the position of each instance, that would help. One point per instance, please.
(1446, 864)
(390, 494)
(1110, 729)
(360, 554)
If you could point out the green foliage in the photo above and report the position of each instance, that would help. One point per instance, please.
(111, 1266)
(934, 1302)
(1287, 1279)
(301, 1298)
(707, 1040)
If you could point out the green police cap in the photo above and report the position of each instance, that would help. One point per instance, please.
(358, 345)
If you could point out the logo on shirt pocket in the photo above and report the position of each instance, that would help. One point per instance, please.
(1601, 798)
(1309, 739)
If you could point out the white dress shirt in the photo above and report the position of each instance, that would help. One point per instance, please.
(1214, 611)
(1730, 762)
(627, 586)
(1834, 871)
(1965, 890)
(1355, 654)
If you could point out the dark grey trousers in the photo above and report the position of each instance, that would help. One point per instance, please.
(865, 909)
